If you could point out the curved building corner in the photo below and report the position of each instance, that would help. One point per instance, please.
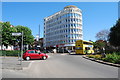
(63, 28)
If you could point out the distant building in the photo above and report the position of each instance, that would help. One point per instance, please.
(38, 44)
(11, 26)
(63, 28)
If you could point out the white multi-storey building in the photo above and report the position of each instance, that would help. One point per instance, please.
(63, 28)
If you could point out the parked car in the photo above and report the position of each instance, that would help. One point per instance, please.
(34, 54)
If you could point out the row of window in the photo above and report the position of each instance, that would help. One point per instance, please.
(63, 16)
(71, 15)
(65, 10)
(58, 37)
(49, 33)
(64, 21)
(73, 20)
(63, 27)
(55, 38)
(62, 42)
(72, 10)
(73, 36)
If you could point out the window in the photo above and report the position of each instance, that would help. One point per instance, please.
(72, 14)
(80, 48)
(69, 14)
(66, 25)
(66, 20)
(66, 30)
(31, 52)
(69, 41)
(87, 48)
(74, 19)
(87, 43)
(37, 52)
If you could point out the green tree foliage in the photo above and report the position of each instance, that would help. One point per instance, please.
(27, 35)
(0, 33)
(99, 45)
(7, 38)
(114, 36)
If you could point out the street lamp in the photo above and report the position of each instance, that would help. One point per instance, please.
(63, 46)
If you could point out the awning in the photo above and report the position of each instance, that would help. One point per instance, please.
(69, 45)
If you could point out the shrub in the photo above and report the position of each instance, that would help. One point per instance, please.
(10, 53)
(94, 56)
(0, 53)
(114, 58)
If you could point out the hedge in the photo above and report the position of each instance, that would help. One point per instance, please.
(10, 53)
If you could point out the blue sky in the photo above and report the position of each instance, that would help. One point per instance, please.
(97, 16)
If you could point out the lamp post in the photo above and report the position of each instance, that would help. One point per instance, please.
(63, 46)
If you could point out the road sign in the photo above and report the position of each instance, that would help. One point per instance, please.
(16, 34)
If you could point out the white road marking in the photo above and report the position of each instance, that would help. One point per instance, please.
(63, 54)
(29, 65)
(49, 56)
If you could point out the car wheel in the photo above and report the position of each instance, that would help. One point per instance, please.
(27, 58)
(44, 57)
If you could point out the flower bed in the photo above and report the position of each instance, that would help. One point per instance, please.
(113, 58)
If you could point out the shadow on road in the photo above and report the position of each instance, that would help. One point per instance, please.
(33, 60)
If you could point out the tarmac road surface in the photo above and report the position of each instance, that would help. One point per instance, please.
(63, 66)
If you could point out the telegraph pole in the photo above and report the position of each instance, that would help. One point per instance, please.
(39, 37)
(39, 31)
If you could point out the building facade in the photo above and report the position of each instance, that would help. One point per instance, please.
(63, 28)
(38, 44)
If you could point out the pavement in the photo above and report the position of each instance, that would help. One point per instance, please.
(63, 66)
(13, 63)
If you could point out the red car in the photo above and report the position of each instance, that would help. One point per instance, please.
(34, 54)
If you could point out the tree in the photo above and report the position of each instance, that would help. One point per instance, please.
(7, 38)
(1, 34)
(28, 38)
(102, 35)
(99, 45)
(114, 36)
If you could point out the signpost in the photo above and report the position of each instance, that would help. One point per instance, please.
(20, 34)
(16, 34)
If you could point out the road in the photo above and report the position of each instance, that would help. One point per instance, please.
(63, 66)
